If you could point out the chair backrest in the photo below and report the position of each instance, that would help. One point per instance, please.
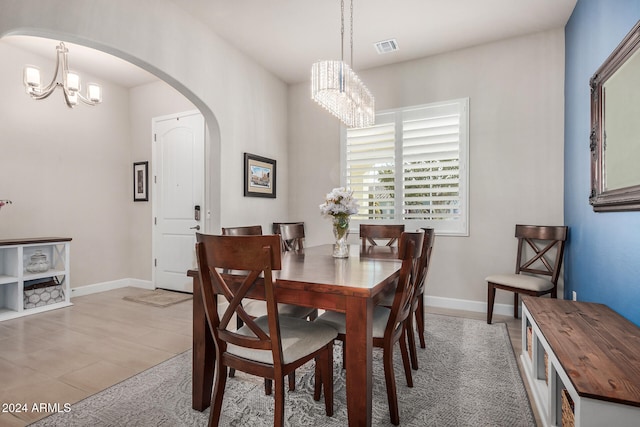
(370, 233)
(409, 251)
(292, 234)
(251, 230)
(425, 260)
(252, 259)
(540, 249)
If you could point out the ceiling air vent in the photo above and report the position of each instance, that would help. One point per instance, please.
(386, 46)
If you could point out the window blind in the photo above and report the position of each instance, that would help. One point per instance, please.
(411, 167)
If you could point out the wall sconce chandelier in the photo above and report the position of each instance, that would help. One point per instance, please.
(337, 88)
(70, 84)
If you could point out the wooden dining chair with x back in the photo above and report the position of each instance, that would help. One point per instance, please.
(417, 308)
(389, 323)
(538, 263)
(270, 346)
(256, 308)
(292, 236)
(377, 234)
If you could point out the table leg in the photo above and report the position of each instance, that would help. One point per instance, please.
(203, 353)
(359, 342)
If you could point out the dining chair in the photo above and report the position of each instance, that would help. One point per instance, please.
(292, 234)
(389, 323)
(538, 262)
(370, 234)
(257, 308)
(417, 309)
(270, 346)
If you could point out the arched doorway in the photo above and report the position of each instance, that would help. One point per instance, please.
(110, 233)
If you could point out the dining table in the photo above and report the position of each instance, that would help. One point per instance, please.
(314, 278)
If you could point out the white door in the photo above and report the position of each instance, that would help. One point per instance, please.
(178, 197)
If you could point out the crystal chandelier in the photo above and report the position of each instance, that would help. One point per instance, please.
(70, 84)
(337, 88)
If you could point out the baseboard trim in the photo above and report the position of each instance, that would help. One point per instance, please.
(430, 301)
(467, 305)
(108, 286)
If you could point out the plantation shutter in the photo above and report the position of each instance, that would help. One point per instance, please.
(430, 159)
(411, 167)
(371, 168)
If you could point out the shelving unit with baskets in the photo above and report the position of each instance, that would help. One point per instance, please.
(39, 266)
(580, 360)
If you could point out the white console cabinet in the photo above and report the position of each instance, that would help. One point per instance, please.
(15, 256)
(587, 351)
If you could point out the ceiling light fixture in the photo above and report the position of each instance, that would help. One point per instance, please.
(337, 88)
(70, 82)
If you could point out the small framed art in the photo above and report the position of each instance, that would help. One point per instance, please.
(141, 182)
(259, 176)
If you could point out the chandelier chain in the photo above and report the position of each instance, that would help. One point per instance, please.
(342, 30)
(351, 30)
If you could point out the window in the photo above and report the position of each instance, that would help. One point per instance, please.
(412, 167)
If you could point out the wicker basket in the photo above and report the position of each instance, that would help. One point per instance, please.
(546, 368)
(530, 342)
(568, 416)
(41, 292)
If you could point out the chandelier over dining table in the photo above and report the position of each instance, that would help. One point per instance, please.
(337, 88)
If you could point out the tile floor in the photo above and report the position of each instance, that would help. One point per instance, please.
(65, 355)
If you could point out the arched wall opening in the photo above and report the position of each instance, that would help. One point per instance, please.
(93, 244)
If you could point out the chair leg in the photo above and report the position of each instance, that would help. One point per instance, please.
(318, 380)
(420, 321)
(405, 358)
(408, 327)
(268, 386)
(390, 380)
(292, 381)
(326, 361)
(515, 305)
(278, 415)
(490, 299)
(218, 394)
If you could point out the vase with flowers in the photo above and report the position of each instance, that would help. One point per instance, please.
(339, 205)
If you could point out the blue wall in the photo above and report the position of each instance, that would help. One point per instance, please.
(602, 262)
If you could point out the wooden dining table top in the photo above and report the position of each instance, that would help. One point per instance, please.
(362, 273)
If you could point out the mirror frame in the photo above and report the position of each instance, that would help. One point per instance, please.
(619, 199)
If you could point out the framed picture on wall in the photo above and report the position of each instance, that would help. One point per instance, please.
(141, 182)
(259, 176)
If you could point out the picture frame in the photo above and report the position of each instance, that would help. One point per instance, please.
(141, 182)
(259, 176)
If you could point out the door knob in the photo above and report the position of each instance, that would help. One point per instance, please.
(197, 227)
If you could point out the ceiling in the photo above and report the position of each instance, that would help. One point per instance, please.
(287, 36)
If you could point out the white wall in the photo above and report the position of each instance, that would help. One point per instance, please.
(245, 108)
(67, 171)
(516, 96)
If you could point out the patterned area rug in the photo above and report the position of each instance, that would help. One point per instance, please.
(468, 376)
(159, 298)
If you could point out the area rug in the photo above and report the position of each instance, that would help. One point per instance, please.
(468, 376)
(159, 298)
